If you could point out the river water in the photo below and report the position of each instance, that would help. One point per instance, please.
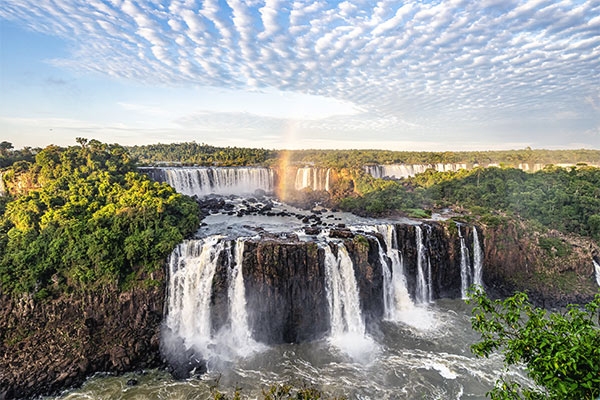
(426, 356)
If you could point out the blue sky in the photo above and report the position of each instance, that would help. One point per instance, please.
(413, 75)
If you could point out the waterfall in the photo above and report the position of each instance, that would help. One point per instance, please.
(423, 290)
(395, 293)
(348, 331)
(342, 293)
(202, 181)
(313, 178)
(3, 187)
(465, 265)
(240, 333)
(477, 260)
(597, 269)
(192, 266)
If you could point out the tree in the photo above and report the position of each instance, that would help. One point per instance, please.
(560, 350)
(5, 147)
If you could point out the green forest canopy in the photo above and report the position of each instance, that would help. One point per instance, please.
(88, 218)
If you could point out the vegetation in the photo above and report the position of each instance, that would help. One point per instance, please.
(567, 200)
(86, 218)
(192, 153)
(560, 351)
(360, 158)
(203, 154)
(9, 156)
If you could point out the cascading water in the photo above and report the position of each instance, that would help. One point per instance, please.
(465, 266)
(597, 270)
(348, 330)
(240, 335)
(313, 178)
(395, 292)
(423, 293)
(342, 293)
(192, 266)
(408, 170)
(202, 181)
(477, 260)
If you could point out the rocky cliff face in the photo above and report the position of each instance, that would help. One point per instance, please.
(285, 289)
(46, 347)
(553, 268)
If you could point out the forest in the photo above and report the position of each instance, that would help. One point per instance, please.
(81, 216)
(191, 153)
(565, 199)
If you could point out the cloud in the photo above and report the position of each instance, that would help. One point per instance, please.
(408, 64)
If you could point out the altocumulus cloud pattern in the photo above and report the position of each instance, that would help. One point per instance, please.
(403, 65)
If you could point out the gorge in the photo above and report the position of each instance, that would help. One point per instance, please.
(265, 292)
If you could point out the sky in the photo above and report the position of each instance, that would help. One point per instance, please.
(394, 75)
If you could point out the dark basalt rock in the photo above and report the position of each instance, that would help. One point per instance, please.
(341, 233)
(48, 346)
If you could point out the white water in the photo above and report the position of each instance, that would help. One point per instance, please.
(342, 293)
(423, 293)
(202, 181)
(192, 266)
(348, 330)
(313, 178)
(597, 270)
(408, 170)
(240, 338)
(477, 260)
(397, 301)
(465, 266)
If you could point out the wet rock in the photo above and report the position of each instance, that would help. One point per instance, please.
(341, 233)
(132, 382)
(311, 230)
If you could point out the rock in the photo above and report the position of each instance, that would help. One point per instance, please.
(341, 233)
(132, 382)
(311, 230)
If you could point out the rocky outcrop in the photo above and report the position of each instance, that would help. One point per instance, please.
(285, 288)
(553, 268)
(47, 346)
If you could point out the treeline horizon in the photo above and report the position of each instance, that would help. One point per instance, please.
(192, 153)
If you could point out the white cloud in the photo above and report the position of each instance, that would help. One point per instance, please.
(428, 63)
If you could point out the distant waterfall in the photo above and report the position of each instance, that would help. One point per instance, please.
(395, 293)
(2, 186)
(313, 178)
(408, 170)
(423, 292)
(477, 260)
(597, 270)
(202, 181)
(192, 266)
(342, 293)
(465, 265)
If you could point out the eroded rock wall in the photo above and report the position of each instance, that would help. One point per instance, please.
(49, 346)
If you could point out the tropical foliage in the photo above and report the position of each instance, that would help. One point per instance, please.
(192, 153)
(560, 351)
(87, 218)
